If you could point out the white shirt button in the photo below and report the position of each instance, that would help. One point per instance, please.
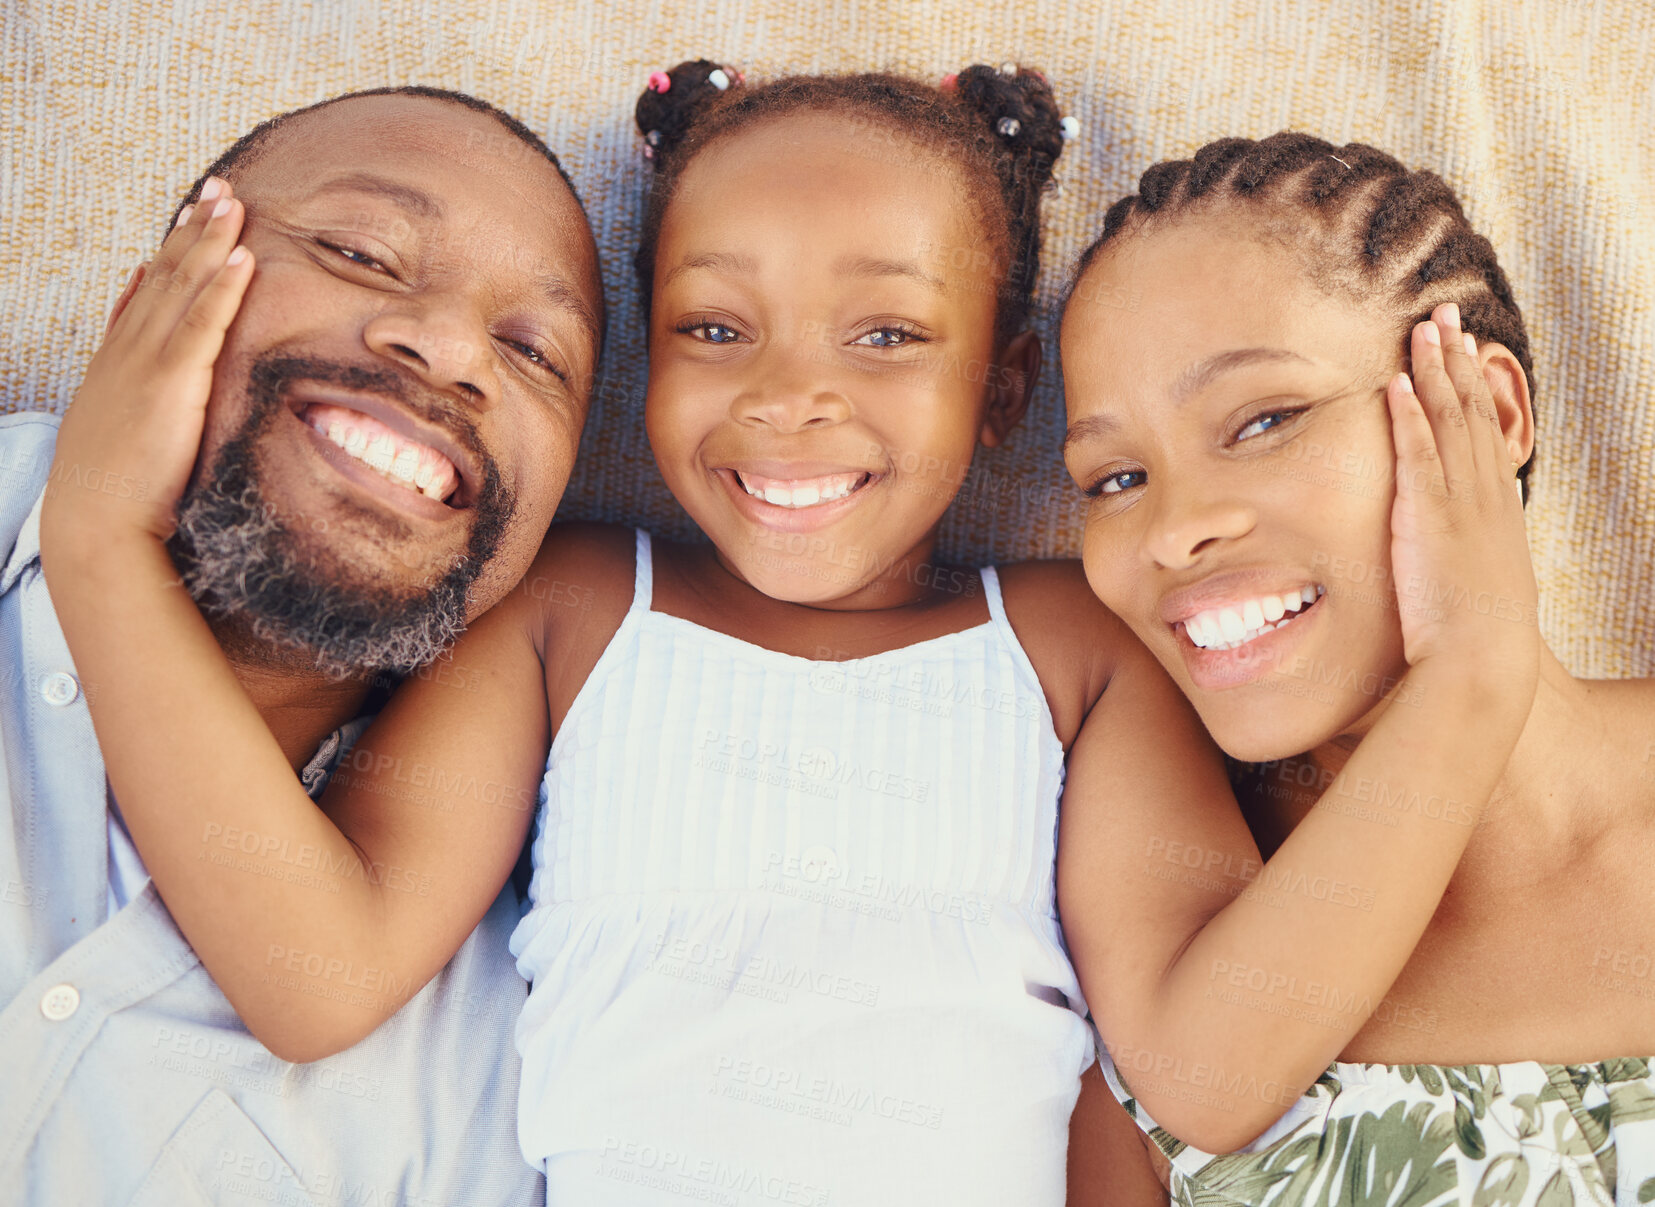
(59, 689)
(60, 1002)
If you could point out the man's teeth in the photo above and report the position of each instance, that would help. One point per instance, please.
(406, 462)
(800, 492)
(1227, 628)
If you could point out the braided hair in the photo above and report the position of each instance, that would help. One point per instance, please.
(1379, 230)
(1002, 127)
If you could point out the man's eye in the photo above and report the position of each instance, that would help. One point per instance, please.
(711, 333)
(887, 337)
(1264, 423)
(1114, 484)
(361, 258)
(535, 356)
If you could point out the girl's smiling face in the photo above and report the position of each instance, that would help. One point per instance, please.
(1233, 432)
(822, 355)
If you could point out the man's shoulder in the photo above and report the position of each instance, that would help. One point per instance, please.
(27, 440)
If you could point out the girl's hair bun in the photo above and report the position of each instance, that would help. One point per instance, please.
(1017, 105)
(674, 100)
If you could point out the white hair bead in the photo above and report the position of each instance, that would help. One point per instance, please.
(1009, 126)
(1070, 127)
(718, 79)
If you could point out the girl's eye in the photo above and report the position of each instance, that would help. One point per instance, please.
(711, 333)
(1114, 484)
(1264, 423)
(887, 337)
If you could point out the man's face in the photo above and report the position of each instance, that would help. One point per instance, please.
(397, 406)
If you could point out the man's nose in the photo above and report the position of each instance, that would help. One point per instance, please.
(1185, 525)
(441, 339)
(790, 388)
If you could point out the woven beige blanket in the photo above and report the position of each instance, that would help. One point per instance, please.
(1540, 112)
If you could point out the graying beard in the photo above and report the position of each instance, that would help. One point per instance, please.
(238, 560)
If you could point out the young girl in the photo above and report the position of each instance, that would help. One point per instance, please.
(792, 934)
(1492, 1046)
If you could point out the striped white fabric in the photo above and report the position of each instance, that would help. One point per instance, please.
(793, 935)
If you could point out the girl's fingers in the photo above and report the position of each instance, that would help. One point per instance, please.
(199, 335)
(119, 308)
(212, 231)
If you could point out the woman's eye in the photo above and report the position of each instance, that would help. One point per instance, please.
(886, 337)
(711, 333)
(1265, 423)
(1114, 484)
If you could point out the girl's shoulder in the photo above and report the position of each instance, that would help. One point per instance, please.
(1073, 641)
(583, 582)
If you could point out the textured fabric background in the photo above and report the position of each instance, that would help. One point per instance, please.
(1540, 112)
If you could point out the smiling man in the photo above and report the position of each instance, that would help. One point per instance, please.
(392, 421)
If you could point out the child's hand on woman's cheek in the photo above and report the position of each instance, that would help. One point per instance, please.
(1464, 579)
(129, 440)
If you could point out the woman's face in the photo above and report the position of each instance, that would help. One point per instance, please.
(1230, 418)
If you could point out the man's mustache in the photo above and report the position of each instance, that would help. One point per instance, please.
(271, 378)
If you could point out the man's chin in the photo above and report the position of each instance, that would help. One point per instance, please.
(288, 595)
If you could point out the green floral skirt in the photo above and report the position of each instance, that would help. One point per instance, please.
(1370, 1135)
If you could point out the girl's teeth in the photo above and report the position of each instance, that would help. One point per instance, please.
(1273, 608)
(807, 494)
(1252, 615)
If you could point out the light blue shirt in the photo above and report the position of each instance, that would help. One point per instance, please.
(125, 1076)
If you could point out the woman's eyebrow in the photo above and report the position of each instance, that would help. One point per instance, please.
(1197, 377)
(1204, 373)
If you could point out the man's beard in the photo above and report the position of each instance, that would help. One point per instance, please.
(243, 561)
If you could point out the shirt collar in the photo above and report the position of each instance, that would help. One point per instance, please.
(26, 552)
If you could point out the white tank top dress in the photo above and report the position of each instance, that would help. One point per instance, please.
(793, 936)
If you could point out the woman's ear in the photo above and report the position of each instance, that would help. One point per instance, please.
(1010, 387)
(1508, 385)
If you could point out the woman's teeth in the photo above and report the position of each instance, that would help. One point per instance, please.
(800, 492)
(1228, 628)
(406, 462)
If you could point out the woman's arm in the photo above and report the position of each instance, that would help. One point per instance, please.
(1224, 984)
(316, 923)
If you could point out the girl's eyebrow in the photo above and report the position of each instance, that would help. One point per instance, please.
(727, 262)
(873, 266)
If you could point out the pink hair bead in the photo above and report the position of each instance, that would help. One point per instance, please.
(659, 81)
